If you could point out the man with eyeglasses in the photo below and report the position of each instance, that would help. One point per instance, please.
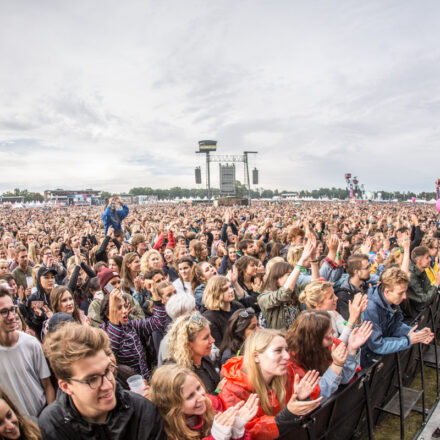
(358, 269)
(90, 404)
(24, 373)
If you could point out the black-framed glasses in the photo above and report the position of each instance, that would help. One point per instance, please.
(247, 312)
(4, 313)
(96, 380)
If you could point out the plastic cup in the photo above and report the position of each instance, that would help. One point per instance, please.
(136, 383)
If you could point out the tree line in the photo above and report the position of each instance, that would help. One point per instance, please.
(186, 193)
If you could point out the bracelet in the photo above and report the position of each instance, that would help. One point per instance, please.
(314, 261)
(342, 366)
(349, 324)
(299, 267)
(338, 254)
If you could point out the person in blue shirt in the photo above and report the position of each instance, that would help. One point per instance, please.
(390, 333)
(112, 216)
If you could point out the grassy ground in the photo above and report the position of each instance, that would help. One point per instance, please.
(389, 428)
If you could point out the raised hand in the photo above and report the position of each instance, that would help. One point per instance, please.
(248, 411)
(356, 307)
(339, 354)
(359, 336)
(115, 306)
(305, 386)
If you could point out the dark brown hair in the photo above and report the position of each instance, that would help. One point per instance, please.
(305, 339)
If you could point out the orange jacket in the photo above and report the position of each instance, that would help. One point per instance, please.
(238, 387)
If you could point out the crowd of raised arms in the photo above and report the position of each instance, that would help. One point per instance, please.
(172, 321)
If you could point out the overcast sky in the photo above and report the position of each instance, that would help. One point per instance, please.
(115, 94)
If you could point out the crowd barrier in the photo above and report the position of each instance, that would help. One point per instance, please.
(354, 411)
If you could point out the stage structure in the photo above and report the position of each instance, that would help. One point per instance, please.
(227, 172)
(354, 188)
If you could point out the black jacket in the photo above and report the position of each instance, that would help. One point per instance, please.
(345, 293)
(134, 418)
(219, 321)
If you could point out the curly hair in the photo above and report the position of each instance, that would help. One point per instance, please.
(184, 330)
(166, 393)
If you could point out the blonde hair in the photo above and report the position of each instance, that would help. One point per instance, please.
(32, 252)
(393, 275)
(213, 294)
(166, 393)
(72, 342)
(393, 257)
(294, 254)
(257, 342)
(183, 331)
(314, 293)
(145, 265)
(272, 261)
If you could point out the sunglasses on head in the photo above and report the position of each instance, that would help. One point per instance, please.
(247, 312)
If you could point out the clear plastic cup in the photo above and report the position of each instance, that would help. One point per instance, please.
(136, 383)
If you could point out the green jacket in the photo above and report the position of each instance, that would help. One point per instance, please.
(95, 309)
(277, 308)
(20, 276)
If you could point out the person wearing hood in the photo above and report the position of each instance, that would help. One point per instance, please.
(38, 303)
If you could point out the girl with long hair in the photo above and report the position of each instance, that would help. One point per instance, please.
(131, 282)
(264, 369)
(61, 301)
(313, 347)
(188, 411)
(200, 275)
(241, 324)
(218, 298)
(183, 283)
(190, 345)
(14, 426)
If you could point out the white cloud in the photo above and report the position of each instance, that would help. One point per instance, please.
(115, 95)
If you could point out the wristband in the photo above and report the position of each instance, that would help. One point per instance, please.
(314, 261)
(300, 268)
(349, 324)
(342, 366)
(338, 254)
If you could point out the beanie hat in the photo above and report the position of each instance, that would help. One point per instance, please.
(105, 275)
(57, 319)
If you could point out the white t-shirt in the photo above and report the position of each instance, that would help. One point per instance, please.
(21, 369)
(179, 286)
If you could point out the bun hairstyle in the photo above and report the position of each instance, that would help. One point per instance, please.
(314, 293)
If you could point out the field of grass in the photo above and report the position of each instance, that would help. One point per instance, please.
(389, 428)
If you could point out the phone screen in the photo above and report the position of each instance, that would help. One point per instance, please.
(108, 288)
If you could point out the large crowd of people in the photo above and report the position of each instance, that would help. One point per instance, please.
(179, 321)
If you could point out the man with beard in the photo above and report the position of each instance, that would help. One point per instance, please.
(358, 269)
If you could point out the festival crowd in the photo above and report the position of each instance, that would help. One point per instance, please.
(172, 321)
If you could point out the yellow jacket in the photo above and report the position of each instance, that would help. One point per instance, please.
(432, 272)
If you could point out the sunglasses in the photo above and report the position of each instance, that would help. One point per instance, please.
(247, 312)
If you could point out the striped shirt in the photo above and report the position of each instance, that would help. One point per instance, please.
(125, 340)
